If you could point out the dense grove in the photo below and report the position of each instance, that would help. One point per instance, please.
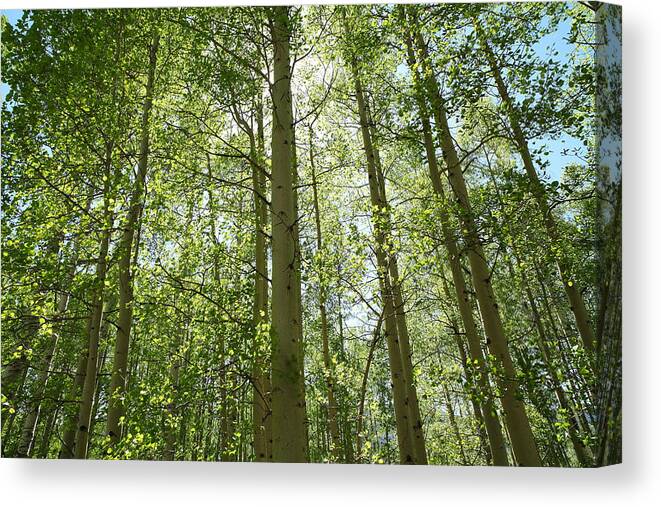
(355, 234)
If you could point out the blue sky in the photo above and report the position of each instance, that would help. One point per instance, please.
(13, 16)
(558, 40)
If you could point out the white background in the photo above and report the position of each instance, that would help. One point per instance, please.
(636, 482)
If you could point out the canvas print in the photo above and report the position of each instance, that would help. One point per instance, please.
(358, 234)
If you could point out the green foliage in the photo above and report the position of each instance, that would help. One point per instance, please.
(71, 139)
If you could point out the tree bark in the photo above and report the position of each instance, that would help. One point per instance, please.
(298, 299)
(400, 315)
(96, 318)
(288, 406)
(523, 442)
(400, 390)
(462, 296)
(120, 358)
(71, 416)
(261, 404)
(333, 427)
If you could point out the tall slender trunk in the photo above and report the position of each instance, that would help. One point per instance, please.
(608, 397)
(125, 319)
(556, 451)
(298, 299)
(288, 406)
(557, 325)
(399, 387)
(96, 318)
(44, 446)
(223, 402)
(462, 296)
(607, 411)
(453, 424)
(93, 362)
(363, 389)
(261, 404)
(477, 410)
(479, 392)
(400, 315)
(523, 442)
(71, 413)
(328, 364)
(583, 453)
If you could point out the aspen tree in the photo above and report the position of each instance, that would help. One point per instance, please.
(400, 390)
(125, 249)
(493, 427)
(328, 364)
(288, 417)
(261, 376)
(523, 441)
(96, 317)
(400, 314)
(489, 427)
(298, 299)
